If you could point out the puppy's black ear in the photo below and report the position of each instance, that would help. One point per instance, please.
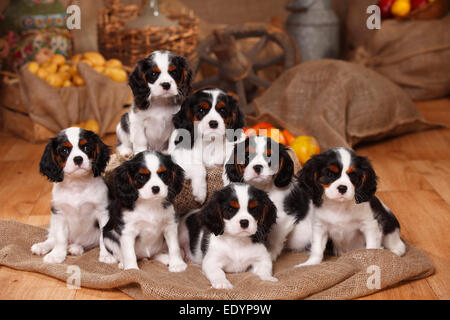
(176, 178)
(368, 184)
(211, 215)
(267, 219)
(183, 120)
(185, 83)
(48, 165)
(286, 168)
(235, 166)
(238, 118)
(138, 84)
(101, 156)
(308, 179)
(124, 189)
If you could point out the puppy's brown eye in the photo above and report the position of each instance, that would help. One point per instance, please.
(64, 151)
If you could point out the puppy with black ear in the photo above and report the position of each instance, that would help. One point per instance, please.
(266, 164)
(207, 126)
(230, 233)
(342, 186)
(142, 220)
(74, 161)
(160, 83)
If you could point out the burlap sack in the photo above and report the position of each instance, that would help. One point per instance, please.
(413, 54)
(100, 99)
(345, 277)
(184, 201)
(339, 103)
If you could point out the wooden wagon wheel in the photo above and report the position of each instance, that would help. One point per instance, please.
(237, 68)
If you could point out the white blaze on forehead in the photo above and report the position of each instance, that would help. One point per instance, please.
(161, 59)
(346, 159)
(242, 195)
(152, 162)
(73, 135)
(215, 95)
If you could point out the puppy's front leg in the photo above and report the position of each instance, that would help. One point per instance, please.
(129, 260)
(176, 263)
(199, 185)
(215, 274)
(318, 244)
(263, 268)
(372, 234)
(104, 255)
(137, 136)
(59, 232)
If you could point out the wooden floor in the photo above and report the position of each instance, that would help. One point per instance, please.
(414, 173)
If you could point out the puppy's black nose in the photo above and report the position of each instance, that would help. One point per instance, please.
(165, 85)
(155, 189)
(213, 124)
(244, 223)
(78, 160)
(258, 168)
(342, 189)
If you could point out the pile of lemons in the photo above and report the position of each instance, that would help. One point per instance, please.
(60, 73)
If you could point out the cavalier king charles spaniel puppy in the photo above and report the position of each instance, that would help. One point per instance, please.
(160, 83)
(342, 186)
(74, 161)
(229, 234)
(266, 164)
(206, 128)
(142, 220)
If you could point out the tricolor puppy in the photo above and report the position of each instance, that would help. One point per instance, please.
(74, 161)
(342, 187)
(207, 126)
(142, 220)
(266, 164)
(160, 83)
(229, 234)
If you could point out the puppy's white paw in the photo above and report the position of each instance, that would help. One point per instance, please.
(40, 248)
(222, 284)
(199, 193)
(131, 268)
(55, 257)
(163, 258)
(177, 266)
(107, 258)
(75, 249)
(307, 263)
(120, 265)
(399, 249)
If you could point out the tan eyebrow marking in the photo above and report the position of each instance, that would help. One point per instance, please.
(156, 69)
(144, 171)
(253, 204)
(220, 105)
(161, 169)
(334, 169)
(350, 170)
(269, 152)
(171, 67)
(204, 105)
(67, 144)
(250, 150)
(83, 142)
(234, 204)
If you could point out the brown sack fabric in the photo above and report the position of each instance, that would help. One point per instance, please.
(345, 277)
(414, 54)
(184, 201)
(100, 99)
(339, 103)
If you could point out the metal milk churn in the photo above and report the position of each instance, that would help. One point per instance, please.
(315, 29)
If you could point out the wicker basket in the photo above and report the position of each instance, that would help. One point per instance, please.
(114, 41)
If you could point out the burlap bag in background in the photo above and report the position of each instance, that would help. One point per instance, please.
(100, 99)
(184, 201)
(345, 277)
(339, 103)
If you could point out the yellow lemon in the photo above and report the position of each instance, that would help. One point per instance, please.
(78, 80)
(51, 68)
(58, 59)
(64, 68)
(42, 73)
(113, 63)
(33, 67)
(67, 83)
(95, 58)
(305, 147)
(54, 80)
(76, 58)
(401, 8)
(64, 75)
(99, 69)
(115, 74)
(88, 62)
(92, 125)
